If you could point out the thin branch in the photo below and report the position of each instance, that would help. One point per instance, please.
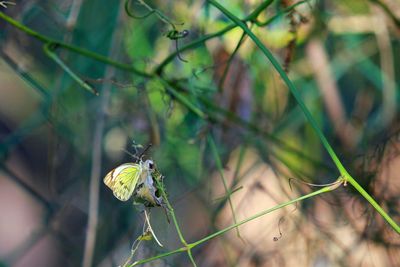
(49, 51)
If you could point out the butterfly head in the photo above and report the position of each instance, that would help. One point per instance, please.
(149, 165)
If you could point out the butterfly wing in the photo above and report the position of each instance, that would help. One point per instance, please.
(123, 179)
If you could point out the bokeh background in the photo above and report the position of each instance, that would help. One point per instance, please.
(58, 140)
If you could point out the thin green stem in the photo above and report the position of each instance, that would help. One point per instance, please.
(49, 51)
(228, 191)
(159, 256)
(372, 201)
(72, 48)
(25, 29)
(104, 59)
(189, 252)
(281, 13)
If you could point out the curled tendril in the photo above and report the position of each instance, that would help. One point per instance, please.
(276, 238)
(130, 14)
(333, 185)
(151, 10)
(173, 34)
(176, 35)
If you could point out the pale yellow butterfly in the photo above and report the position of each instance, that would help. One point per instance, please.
(124, 179)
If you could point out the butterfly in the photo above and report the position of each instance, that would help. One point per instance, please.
(135, 179)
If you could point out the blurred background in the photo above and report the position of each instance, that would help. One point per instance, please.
(58, 140)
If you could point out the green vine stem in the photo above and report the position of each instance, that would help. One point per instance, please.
(72, 48)
(344, 174)
(49, 48)
(151, 10)
(233, 226)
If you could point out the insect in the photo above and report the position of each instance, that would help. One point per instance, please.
(135, 179)
(142, 181)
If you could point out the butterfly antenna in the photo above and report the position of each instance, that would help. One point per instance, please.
(144, 151)
(132, 155)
